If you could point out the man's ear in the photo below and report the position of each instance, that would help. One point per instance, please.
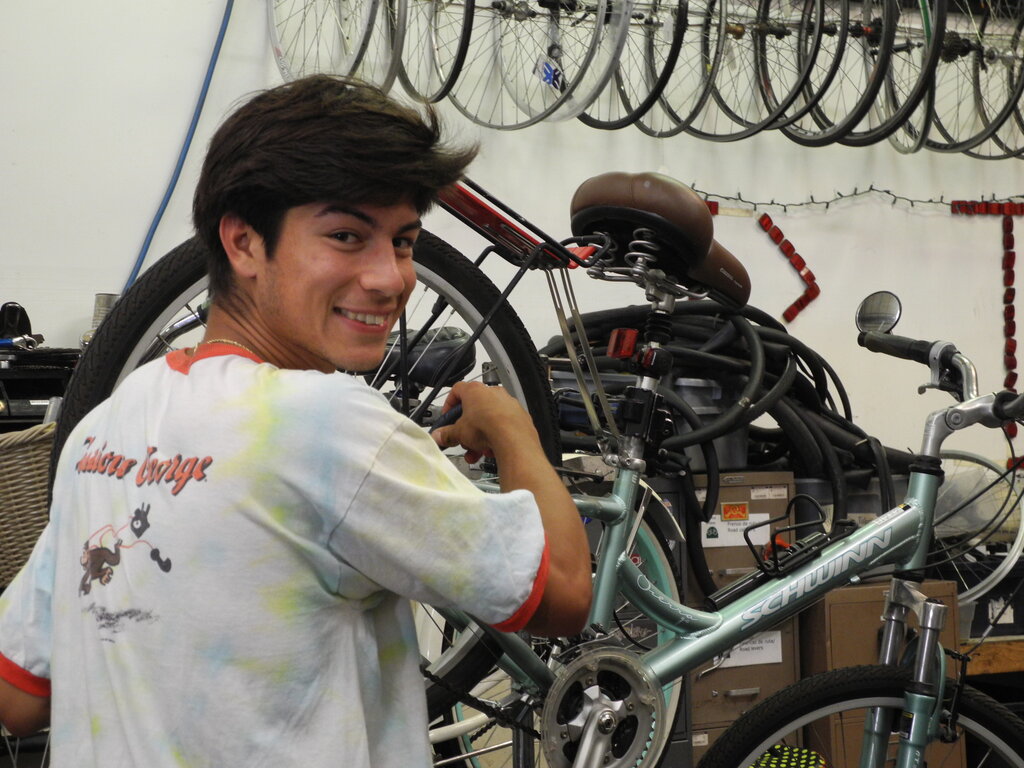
(243, 246)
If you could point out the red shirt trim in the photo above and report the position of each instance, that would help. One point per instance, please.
(522, 617)
(181, 360)
(22, 679)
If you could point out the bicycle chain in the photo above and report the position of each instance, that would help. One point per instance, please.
(495, 713)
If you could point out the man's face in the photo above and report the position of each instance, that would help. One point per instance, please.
(337, 283)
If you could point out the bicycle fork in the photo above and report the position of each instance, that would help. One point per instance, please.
(918, 723)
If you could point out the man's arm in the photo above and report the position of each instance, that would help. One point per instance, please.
(22, 713)
(493, 423)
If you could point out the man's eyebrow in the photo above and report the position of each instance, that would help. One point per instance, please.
(363, 216)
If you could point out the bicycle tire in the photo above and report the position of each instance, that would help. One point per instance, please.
(137, 330)
(746, 97)
(653, 41)
(654, 556)
(689, 85)
(989, 734)
(903, 111)
(530, 61)
(845, 96)
(383, 58)
(314, 36)
(979, 82)
(436, 42)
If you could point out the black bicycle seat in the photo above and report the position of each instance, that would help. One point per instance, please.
(678, 222)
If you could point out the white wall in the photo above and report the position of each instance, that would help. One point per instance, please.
(96, 98)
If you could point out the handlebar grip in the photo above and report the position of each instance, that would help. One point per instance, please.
(896, 346)
(1008, 406)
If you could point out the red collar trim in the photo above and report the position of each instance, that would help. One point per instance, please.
(181, 360)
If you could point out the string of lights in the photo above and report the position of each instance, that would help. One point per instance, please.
(890, 196)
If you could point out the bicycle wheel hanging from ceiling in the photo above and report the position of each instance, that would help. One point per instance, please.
(762, 70)
(651, 50)
(979, 77)
(840, 97)
(436, 42)
(383, 58)
(313, 36)
(689, 84)
(820, 56)
(1007, 140)
(902, 112)
(531, 60)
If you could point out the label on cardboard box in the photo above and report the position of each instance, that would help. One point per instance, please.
(729, 533)
(995, 605)
(758, 492)
(762, 648)
(700, 739)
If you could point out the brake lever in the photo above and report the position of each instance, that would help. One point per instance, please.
(945, 376)
(945, 381)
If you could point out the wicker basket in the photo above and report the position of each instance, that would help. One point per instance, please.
(24, 483)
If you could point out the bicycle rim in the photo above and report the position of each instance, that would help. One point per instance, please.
(689, 86)
(979, 78)
(653, 40)
(383, 57)
(903, 111)
(314, 36)
(529, 60)
(436, 43)
(844, 98)
(762, 71)
(978, 535)
(820, 720)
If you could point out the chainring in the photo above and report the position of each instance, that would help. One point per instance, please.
(611, 687)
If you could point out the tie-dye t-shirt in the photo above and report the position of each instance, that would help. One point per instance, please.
(227, 573)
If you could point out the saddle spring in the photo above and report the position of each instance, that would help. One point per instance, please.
(643, 251)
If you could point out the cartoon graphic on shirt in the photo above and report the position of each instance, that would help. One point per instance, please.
(97, 563)
(99, 557)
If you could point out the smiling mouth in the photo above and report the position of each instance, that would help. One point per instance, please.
(364, 317)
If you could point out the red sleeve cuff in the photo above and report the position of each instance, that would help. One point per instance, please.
(522, 617)
(22, 679)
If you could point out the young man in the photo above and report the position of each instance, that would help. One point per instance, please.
(237, 532)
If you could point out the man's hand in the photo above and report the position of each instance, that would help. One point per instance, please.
(494, 424)
(490, 419)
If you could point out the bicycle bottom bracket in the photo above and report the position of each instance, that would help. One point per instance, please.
(604, 702)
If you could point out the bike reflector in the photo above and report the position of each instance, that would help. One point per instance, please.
(622, 343)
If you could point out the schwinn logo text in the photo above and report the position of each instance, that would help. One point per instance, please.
(826, 572)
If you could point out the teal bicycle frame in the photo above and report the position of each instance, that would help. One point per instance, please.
(899, 539)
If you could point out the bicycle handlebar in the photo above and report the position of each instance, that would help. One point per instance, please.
(897, 346)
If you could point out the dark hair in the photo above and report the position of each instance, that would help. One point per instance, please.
(318, 139)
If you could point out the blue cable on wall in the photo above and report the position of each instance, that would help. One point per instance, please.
(184, 149)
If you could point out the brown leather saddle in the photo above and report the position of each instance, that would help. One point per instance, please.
(678, 223)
